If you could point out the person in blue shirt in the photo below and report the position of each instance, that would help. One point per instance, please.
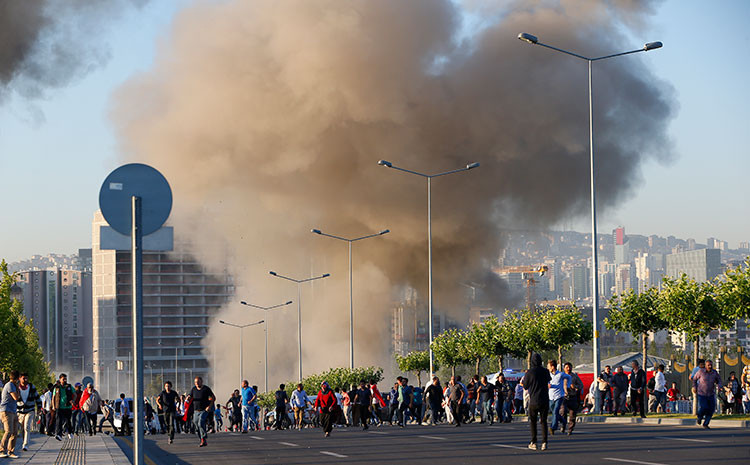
(558, 389)
(249, 397)
(418, 393)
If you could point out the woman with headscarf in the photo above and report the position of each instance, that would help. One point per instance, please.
(326, 402)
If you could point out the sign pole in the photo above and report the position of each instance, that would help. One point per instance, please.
(137, 290)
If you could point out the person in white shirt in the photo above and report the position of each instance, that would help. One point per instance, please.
(46, 425)
(299, 404)
(660, 389)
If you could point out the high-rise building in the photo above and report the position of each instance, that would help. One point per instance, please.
(618, 235)
(180, 297)
(579, 282)
(744, 245)
(58, 303)
(624, 278)
(700, 265)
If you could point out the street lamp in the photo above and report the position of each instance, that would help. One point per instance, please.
(351, 298)
(429, 177)
(241, 327)
(299, 309)
(265, 329)
(533, 40)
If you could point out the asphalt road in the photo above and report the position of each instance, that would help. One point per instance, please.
(470, 444)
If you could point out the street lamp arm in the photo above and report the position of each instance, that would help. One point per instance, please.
(321, 233)
(408, 171)
(466, 168)
(224, 323)
(314, 278)
(385, 231)
(273, 273)
(618, 54)
(570, 53)
(266, 308)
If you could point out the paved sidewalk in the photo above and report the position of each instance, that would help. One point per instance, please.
(80, 450)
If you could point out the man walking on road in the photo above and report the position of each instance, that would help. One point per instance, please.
(536, 382)
(362, 404)
(62, 405)
(167, 402)
(299, 403)
(203, 397)
(705, 383)
(573, 396)
(455, 398)
(660, 389)
(249, 396)
(281, 400)
(620, 391)
(558, 389)
(26, 411)
(637, 389)
(9, 416)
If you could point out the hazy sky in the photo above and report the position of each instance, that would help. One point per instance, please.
(55, 153)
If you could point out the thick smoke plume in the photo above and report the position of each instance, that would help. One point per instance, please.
(49, 43)
(269, 117)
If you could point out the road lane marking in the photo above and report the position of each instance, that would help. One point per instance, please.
(333, 454)
(257, 437)
(290, 444)
(379, 432)
(510, 447)
(632, 461)
(682, 439)
(432, 437)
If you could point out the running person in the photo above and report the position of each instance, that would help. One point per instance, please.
(536, 383)
(326, 402)
(202, 399)
(167, 402)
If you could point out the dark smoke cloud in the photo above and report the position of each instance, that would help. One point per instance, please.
(49, 43)
(268, 118)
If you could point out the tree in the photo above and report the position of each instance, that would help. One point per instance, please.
(448, 348)
(637, 314)
(563, 327)
(733, 291)
(21, 350)
(524, 333)
(692, 308)
(416, 362)
(504, 343)
(481, 341)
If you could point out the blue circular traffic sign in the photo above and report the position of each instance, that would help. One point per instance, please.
(139, 180)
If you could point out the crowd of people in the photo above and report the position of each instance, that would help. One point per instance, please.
(62, 409)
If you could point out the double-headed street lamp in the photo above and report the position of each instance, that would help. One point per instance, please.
(265, 330)
(351, 298)
(299, 309)
(429, 177)
(241, 327)
(528, 38)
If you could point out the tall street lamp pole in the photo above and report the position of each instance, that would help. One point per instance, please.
(533, 40)
(429, 177)
(351, 297)
(241, 327)
(265, 330)
(299, 282)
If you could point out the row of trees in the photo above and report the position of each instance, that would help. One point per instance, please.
(685, 306)
(20, 342)
(521, 333)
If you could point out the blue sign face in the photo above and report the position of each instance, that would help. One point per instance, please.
(87, 380)
(139, 180)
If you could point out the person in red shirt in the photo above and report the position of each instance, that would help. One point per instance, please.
(326, 402)
(79, 425)
(673, 395)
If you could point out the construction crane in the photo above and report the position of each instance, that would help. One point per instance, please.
(528, 274)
